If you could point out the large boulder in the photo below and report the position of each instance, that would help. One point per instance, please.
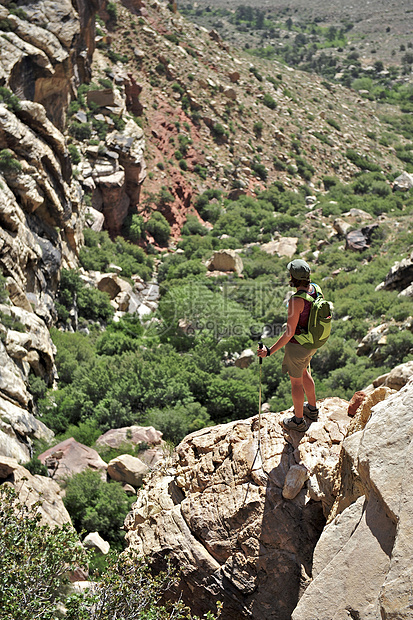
(71, 457)
(225, 260)
(32, 489)
(134, 435)
(400, 276)
(359, 240)
(147, 438)
(397, 377)
(220, 509)
(403, 182)
(95, 542)
(127, 469)
(284, 246)
(372, 537)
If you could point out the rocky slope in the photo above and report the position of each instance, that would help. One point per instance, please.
(241, 519)
(215, 117)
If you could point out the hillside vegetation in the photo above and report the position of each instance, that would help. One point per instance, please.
(244, 153)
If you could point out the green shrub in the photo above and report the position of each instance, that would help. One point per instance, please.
(99, 251)
(193, 226)
(112, 10)
(177, 422)
(269, 101)
(74, 154)
(12, 101)
(260, 170)
(80, 131)
(218, 130)
(258, 127)
(34, 560)
(97, 506)
(8, 163)
(158, 227)
(362, 161)
(333, 123)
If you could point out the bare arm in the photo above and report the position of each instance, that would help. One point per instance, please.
(295, 307)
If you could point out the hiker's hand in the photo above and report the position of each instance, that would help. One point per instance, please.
(264, 352)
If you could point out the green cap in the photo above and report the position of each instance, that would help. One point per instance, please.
(299, 269)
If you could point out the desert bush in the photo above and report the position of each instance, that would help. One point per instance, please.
(177, 422)
(8, 163)
(34, 560)
(10, 99)
(74, 154)
(269, 101)
(80, 131)
(97, 506)
(158, 227)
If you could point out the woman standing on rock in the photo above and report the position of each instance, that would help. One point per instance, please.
(296, 357)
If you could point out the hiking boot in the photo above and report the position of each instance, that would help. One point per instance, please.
(291, 424)
(310, 412)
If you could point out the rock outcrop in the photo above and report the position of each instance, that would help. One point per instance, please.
(32, 489)
(221, 511)
(400, 276)
(225, 260)
(362, 566)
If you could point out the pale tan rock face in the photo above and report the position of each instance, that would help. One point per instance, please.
(224, 517)
(127, 469)
(362, 562)
(225, 260)
(31, 489)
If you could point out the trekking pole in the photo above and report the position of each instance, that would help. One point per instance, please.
(260, 346)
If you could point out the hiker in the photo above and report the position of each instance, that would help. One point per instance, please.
(297, 358)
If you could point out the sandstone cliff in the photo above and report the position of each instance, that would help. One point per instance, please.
(45, 53)
(243, 529)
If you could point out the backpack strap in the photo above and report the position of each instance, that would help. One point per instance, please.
(307, 296)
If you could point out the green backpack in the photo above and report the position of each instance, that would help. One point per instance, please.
(319, 320)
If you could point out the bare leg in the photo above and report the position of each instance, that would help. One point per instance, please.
(309, 388)
(297, 393)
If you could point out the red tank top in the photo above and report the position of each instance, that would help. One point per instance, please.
(303, 320)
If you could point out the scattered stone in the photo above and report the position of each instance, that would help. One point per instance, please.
(341, 227)
(294, 481)
(94, 541)
(356, 400)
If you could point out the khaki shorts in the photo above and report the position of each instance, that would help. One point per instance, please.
(296, 359)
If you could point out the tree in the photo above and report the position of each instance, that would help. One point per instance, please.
(34, 560)
(158, 227)
(97, 506)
